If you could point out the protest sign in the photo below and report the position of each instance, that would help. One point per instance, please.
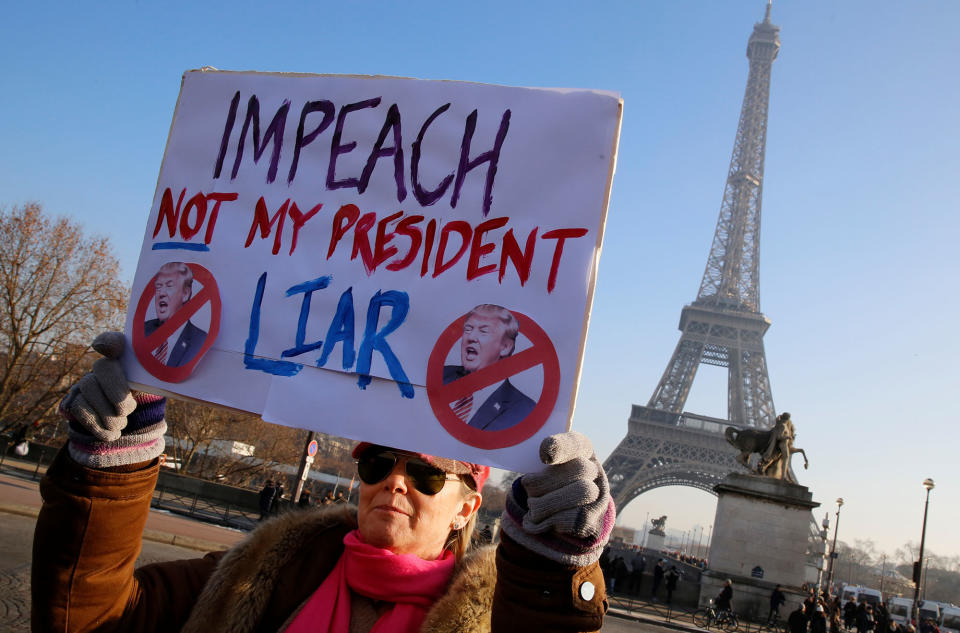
(403, 261)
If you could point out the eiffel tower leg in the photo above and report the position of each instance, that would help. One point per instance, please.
(757, 399)
(674, 387)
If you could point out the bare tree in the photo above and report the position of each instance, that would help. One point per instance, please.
(58, 289)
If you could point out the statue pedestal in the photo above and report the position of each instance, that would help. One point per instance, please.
(760, 536)
(655, 540)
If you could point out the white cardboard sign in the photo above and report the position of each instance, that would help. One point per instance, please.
(402, 261)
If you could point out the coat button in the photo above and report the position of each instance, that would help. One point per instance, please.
(587, 591)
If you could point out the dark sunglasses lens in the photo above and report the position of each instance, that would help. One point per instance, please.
(373, 469)
(427, 479)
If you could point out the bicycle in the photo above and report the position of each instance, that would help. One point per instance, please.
(709, 616)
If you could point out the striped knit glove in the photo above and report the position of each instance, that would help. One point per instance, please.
(564, 512)
(109, 424)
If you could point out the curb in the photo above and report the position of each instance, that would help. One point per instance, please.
(639, 617)
(155, 536)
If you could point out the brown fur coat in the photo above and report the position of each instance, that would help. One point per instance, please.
(238, 595)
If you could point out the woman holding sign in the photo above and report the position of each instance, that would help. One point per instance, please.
(399, 561)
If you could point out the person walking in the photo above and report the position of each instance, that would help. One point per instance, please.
(818, 622)
(797, 621)
(658, 572)
(850, 613)
(637, 567)
(671, 578)
(777, 598)
(266, 499)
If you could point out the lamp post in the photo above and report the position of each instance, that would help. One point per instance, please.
(833, 548)
(824, 533)
(699, 540)
(918, 570)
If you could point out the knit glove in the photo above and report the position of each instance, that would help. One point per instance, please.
(564, 512)
(109, 424)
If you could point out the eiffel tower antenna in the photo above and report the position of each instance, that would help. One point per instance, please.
(722, 327)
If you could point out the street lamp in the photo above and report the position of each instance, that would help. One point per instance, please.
(823, 535)
(918, 566)
(833, 548)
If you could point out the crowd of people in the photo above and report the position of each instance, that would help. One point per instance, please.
(271, 496)
(623, 573)
(820, 613)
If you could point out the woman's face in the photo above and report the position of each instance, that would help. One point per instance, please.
(393, 515)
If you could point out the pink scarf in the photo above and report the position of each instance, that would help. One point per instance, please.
(409, 582)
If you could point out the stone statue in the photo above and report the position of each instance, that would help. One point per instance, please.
(774, 446)
(658, 524)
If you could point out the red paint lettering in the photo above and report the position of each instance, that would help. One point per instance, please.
(168, 212)
(381, 252)
(479, 249)
(464, 230)
(521, 259)
(406, 229)
(299, 219)
(361, 241)
(428, 246)
(561, 235)
(345, 217)
(217, 198)
(198, 202)
(264, 222)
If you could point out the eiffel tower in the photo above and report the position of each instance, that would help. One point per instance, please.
(723, 327)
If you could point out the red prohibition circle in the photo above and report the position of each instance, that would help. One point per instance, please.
(144, 345)
(542, 352)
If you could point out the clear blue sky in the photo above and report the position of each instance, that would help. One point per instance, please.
(858, 267)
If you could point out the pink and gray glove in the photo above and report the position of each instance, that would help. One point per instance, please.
(109, 424)
(564, 512)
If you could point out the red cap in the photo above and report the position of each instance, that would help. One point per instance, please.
(456, 467)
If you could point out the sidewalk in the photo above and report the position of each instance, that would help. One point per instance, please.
(20, 494)
(652, 613)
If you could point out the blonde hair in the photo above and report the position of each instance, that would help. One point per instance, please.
(181, 269)
(510, 325)
(458, 541)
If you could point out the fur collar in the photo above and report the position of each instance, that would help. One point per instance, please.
(250, 576)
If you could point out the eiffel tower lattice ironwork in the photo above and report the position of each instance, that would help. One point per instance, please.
(722, 327)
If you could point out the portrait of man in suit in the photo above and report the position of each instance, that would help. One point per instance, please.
(489, 334)
(173, 285)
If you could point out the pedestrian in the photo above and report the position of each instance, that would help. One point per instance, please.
(399, 561)
(724, 600)
(672, 577)
(658, 572)
(486, 534)
(637, 566)
(818, 622)
(304, 501)
(620, 575)
(849, 613)
(266, 499)
(835, 621)
(797, 621)
(881, 617)
(864, 618)
(777, 598)
(277, 498)
(606, 563)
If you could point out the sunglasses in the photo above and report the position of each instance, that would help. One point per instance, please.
(426, 479)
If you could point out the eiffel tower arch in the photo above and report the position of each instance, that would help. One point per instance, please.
(724, 327)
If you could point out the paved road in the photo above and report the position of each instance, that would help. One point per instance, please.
(16, 543)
